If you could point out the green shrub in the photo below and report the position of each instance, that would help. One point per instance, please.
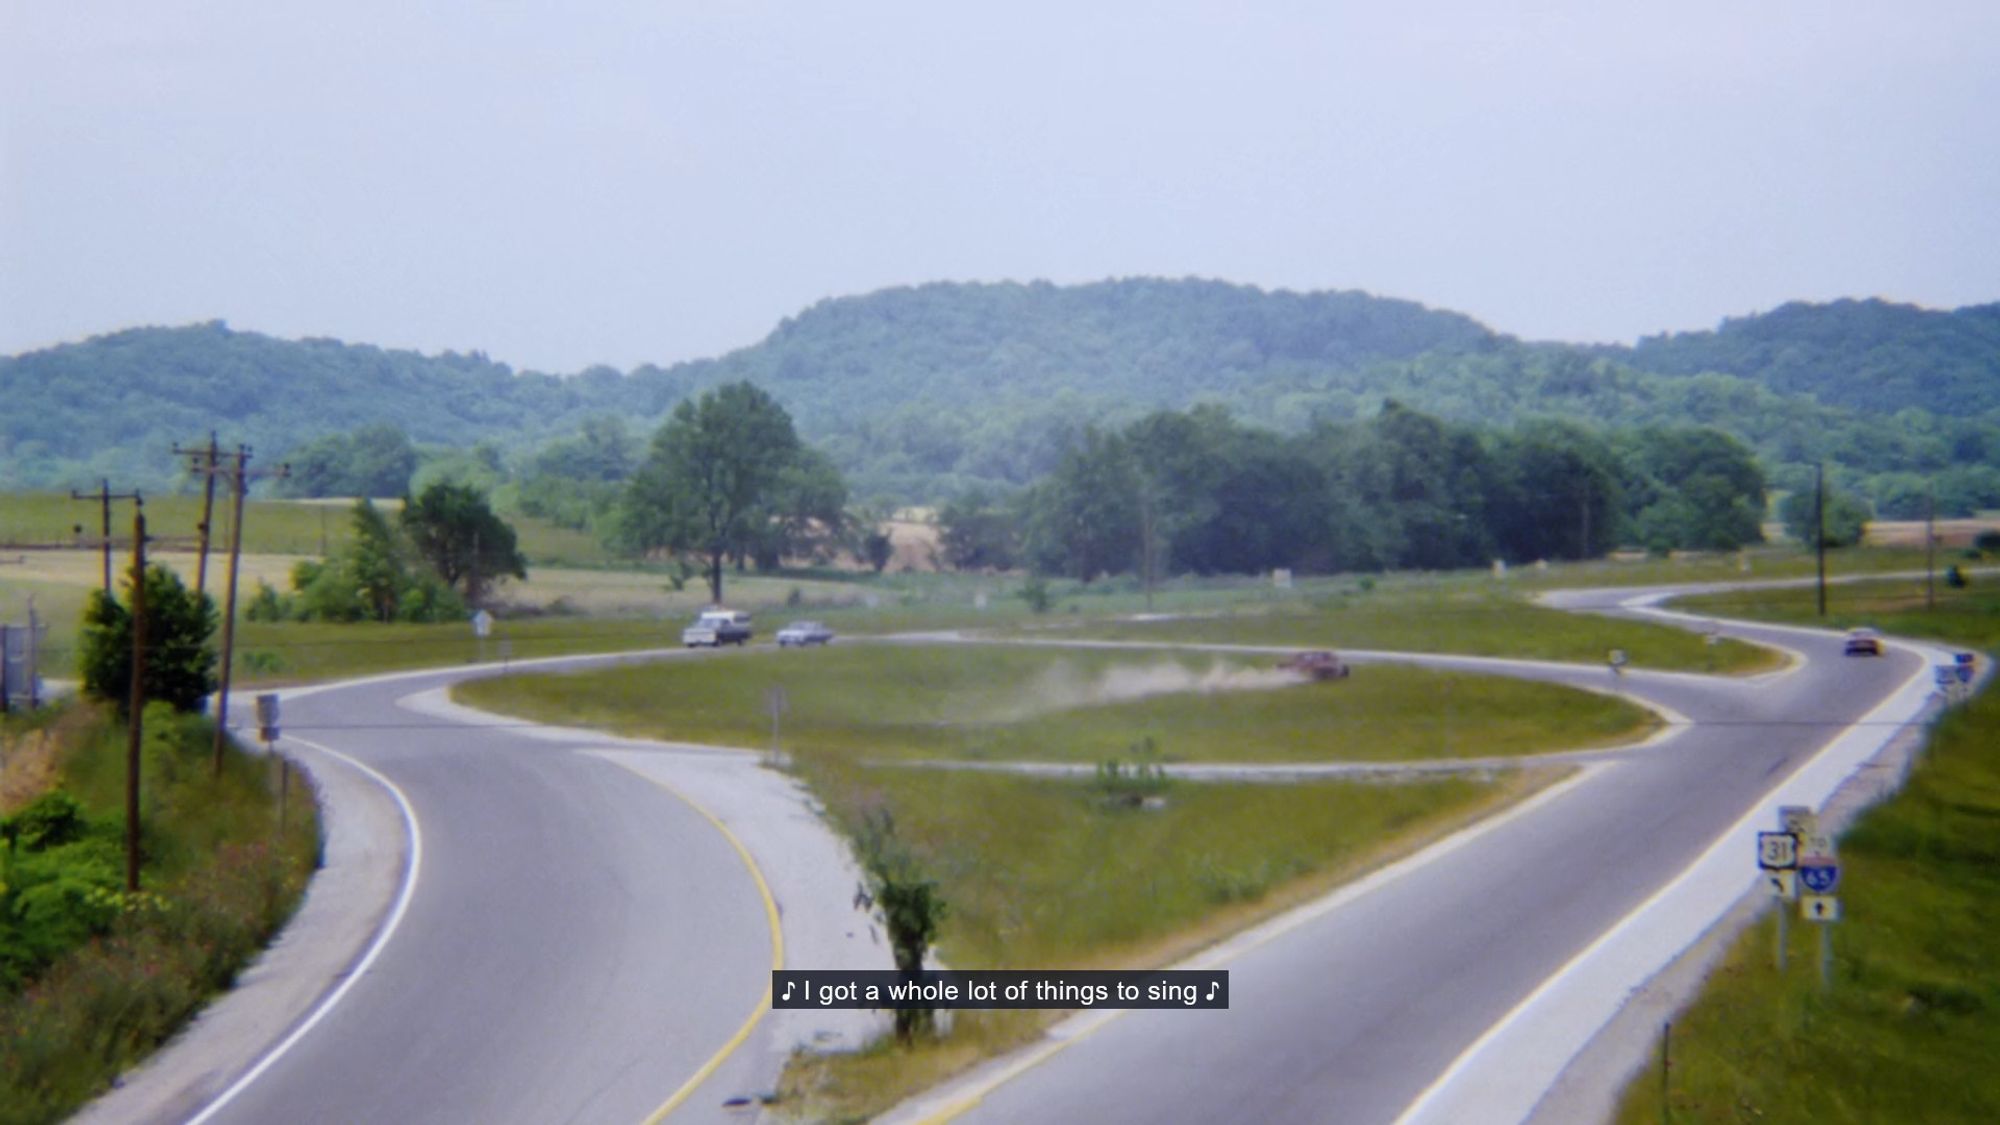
(180, 654)
(1035, 591)
(92, 977)
(50, 820)
(1127, 786)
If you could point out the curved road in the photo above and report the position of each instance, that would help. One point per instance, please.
(1352, 1014)
(579, 945)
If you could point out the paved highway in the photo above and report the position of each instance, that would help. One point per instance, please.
(1351, 1014)
(579, 945)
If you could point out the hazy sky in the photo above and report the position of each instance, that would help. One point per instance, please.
(564, 184)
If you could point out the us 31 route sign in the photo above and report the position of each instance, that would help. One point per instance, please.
(1777, 851)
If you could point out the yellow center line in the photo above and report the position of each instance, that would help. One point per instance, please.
(777, 958)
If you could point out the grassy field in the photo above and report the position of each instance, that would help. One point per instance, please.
(884, 702)
(1458, 617)
(1911, 1026)
(1042, 873)
(1969, 617)
(573, 608)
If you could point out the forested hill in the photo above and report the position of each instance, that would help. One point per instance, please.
(1149, 342)
(114, 405)
(1869, 355)
(920, 392)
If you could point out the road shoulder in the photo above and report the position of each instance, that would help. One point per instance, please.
(366, 851)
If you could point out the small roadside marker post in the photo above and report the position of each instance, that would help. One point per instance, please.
(1778, 857)
(776, 704)
(1819, 876)
(267, 733)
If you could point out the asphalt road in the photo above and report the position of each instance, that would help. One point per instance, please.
(1353, 1014)
(578, 944)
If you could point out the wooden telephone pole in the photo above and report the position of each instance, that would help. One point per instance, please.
(236, 470)
(1819, 530)
(104, 496)
(135, 732)
(203, 460)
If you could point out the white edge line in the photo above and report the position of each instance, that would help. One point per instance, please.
(382, 936)
(1729, 837)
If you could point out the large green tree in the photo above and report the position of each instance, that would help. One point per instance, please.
(1085, 519)
(712, 477)
(978, 531)
(452, 528)
(1554, 494)
(1692, 487)
(180, 654)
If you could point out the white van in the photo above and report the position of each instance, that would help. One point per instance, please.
(717, 627)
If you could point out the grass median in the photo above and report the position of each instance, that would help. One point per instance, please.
(1071, 873)
(1910, 1027)
(1461, 617)
(970, 702)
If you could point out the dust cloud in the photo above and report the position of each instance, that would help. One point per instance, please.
(1063, 686)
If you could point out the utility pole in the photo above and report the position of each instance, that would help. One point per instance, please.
(1148, 550)
(1819, 528)
(1930, 547)
(104, 496)
(1583, 551)
(239, 484)
(203, 460)
(135, 734)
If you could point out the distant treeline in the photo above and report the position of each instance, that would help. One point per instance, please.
(1199, 492)
(924, 394)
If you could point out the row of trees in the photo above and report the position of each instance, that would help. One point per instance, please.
(1200, 492)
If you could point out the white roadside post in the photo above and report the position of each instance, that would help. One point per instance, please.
(1778, 858)
(482, 627)
(267, 733)
(1819, 875)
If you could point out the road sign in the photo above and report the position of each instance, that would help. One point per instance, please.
(1815, 847)
(1783, 885)
(1819, 908)
(1777, 851)
(1963, 662)
(1618, 658)
(267, 717)
(1819, 878)
(1798, 820)
(482, 624)
(1947, 675)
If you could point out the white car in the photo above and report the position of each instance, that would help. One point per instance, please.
(802, 633)
(717, 627)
